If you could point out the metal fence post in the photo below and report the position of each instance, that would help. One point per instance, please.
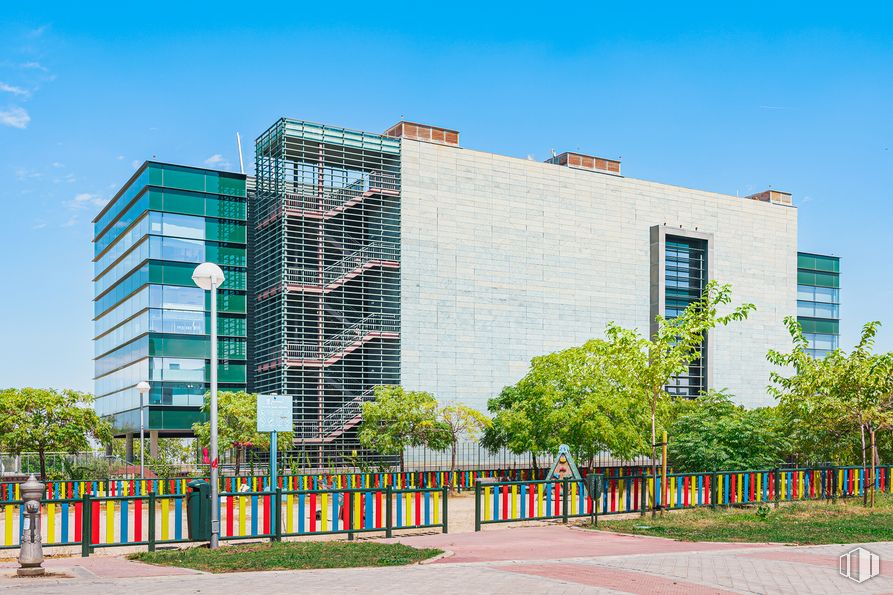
(446, 509)
(777, 485)
(834, 485)
(477, 506)
(277, 514)
(86, 533)
(347, 514)
(714, 491)
(564, 501)
(388, 512)
(151, 521)
(643, 496)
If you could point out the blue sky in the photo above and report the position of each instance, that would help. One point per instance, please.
(723, 98)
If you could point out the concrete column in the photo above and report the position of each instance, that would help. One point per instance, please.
(128, 448)
(153, 443)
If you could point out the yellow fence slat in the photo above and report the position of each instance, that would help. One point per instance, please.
(110, 521)
(324, 517)
(51, 522)
(7, 521)
(165, 506)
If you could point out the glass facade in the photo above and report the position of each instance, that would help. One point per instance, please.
(150, 320)
(818, 301)
(685, 277)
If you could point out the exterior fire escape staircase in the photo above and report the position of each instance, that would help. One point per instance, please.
(336, 423)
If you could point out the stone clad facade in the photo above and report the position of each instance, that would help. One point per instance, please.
(504, 259)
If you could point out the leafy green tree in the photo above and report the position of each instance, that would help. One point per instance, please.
(841, 395)
(717, 434)
(580, 397)
(399, 418)
(461, 421)
(44, 420)
(237, 425)
(652, 362)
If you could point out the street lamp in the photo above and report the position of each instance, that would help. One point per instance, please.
(209, 277)
(142, 388)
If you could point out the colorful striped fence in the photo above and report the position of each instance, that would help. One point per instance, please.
(513, 501)
(460, 480)
(99, 521)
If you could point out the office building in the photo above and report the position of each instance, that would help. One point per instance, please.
(818, 301)
(404, 257)
(151, 321)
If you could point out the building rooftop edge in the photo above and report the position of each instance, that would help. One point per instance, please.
(146, 164)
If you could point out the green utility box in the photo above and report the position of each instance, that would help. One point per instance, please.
(198, 510)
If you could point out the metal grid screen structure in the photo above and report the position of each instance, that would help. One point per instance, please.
(325, 220)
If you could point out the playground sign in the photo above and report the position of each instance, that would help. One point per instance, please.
(274, 413)
(564, 467)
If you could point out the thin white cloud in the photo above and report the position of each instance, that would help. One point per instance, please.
(217, 160)
(16, 117)
(120, 157)
(57, 164)
(34, 66)
(7, 88)
(135, 163)
(23, 173)
(39, 225)
(73, 220)
(85, 200)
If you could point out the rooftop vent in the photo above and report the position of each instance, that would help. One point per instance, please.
(430, 134)
(774, 196)
(580, 161)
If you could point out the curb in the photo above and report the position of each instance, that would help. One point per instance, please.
(446, 554)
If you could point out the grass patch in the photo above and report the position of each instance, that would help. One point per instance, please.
(847, 521)
(289, 555)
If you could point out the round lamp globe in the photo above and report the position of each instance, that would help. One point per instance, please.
(208, 276)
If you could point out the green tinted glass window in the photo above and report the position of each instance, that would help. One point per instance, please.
(228, 301)
(188, 203)
(185, 179)
(827, 280)
(225, 231)
(830, 327)
(226, 256)
(231, 186)
(182, 346)
(231, 373)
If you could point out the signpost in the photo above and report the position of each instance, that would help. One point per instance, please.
(274, 414)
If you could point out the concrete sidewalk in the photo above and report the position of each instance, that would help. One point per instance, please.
(551, 559)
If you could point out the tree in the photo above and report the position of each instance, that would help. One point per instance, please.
(461, 421)
(237, 425)
(579, 397)
(398, 418)
(717, 434)
(651, 363)
(45, 420)
(838, 395)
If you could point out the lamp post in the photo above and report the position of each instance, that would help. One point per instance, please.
(142, 388)
(209, 277)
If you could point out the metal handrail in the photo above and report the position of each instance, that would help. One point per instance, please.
(354, 260)
(352, 334)
(307, 196)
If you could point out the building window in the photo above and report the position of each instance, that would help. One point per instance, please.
(685, 275)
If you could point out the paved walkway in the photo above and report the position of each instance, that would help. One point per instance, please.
(551, 559)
